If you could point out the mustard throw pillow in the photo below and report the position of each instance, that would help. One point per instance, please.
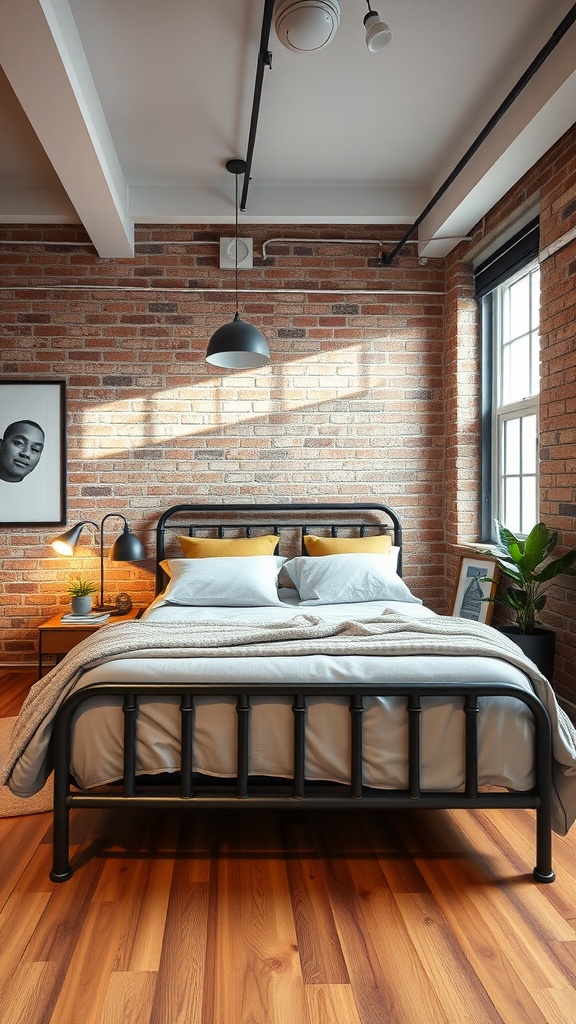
(217, 547)
(379, 544)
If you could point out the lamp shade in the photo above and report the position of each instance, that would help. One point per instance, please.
(238, 346)
(65, 543)
(127, 548)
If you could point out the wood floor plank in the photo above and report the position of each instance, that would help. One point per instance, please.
(449, 883)
(28, 996)
(19, 839)
(385, 972)
(19, 918)
(84, 989)
(558, 1005)
(516, 837)
(257, 958)
(128, 998)
(565, 955)
(459, 990)
(63, 918)
(140, 888)
(397, 865)
(180, 994)
(321, 958)
(16, 684)
(331, 1004)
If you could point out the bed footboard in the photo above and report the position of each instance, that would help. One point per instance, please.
(189, 793)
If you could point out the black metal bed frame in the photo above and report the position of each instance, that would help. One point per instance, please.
(191, 792)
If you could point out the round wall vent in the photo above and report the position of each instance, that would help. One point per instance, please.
(306, 25)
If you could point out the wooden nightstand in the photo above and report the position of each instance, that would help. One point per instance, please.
(57, 637)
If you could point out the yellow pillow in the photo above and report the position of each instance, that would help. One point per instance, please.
(379, 544)
(216, 547)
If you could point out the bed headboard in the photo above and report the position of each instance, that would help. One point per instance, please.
(291, 523)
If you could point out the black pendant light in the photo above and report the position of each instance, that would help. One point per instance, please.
(237, 345)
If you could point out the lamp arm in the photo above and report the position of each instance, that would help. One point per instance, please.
(109, 515)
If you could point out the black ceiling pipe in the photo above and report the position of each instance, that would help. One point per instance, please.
(264, 61)
(522, 82)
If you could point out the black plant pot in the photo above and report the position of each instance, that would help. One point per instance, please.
(538, 646)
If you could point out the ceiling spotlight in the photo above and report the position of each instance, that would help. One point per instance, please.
(378, 33)
(306, 25)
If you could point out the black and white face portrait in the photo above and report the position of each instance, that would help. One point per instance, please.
(32, 452)
(20, 450)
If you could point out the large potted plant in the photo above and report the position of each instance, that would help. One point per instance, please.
(528, 569)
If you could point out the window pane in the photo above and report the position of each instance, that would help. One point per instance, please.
(535, 369)
(512, 504)
(511, 447)
(520, 307)
(535, 289)
(529, 444)
(528, 504)
(516, 370)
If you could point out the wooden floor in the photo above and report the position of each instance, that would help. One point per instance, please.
(295, 918)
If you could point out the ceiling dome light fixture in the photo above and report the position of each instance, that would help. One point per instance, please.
(237, 345)
(306, 25)
(378, 33)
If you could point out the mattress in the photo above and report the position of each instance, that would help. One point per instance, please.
(505, 728)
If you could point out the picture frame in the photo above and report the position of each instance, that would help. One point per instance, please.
(32, 452)
(468, 600)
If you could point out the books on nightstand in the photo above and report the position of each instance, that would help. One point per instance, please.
(92, 618)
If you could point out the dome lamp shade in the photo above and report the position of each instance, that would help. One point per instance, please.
(238, 346)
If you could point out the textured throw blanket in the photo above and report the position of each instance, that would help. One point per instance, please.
(388, 635)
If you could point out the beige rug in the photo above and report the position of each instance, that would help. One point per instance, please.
(12, 806)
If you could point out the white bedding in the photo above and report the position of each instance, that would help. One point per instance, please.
(505, 726)
(161, 611)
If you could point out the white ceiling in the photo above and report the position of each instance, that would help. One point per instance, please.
(122, 112)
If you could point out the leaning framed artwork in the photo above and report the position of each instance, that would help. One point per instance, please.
(472, 589)
(32, 452)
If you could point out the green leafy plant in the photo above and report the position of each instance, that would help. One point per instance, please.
(81, 588)
(529, 568)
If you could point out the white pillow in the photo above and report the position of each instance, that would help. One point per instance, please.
(245, 582)
(347, 579)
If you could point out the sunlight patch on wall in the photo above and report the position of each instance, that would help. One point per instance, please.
(236, 399)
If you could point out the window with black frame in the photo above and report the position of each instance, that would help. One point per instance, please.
(508, 290)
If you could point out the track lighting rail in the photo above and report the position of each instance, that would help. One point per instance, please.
(264, 61)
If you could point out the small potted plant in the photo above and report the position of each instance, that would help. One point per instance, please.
(81, 591)
(528, 568)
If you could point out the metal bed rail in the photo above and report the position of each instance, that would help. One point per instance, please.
(298, 791)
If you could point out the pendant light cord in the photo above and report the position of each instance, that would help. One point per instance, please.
(236, 247)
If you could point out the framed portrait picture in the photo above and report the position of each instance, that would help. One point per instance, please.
(32, 452)
(468, 600)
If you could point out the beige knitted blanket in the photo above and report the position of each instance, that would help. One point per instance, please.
(388, 635)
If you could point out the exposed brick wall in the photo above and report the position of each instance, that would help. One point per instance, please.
(350, 408)
(553, 182)
(368, 396)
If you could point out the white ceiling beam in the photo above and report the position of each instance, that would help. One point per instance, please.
(43, 58)
(35, 204)
(537, 118)
(277, 204)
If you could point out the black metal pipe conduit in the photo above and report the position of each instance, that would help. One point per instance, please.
(521, 84)
(264, 61)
